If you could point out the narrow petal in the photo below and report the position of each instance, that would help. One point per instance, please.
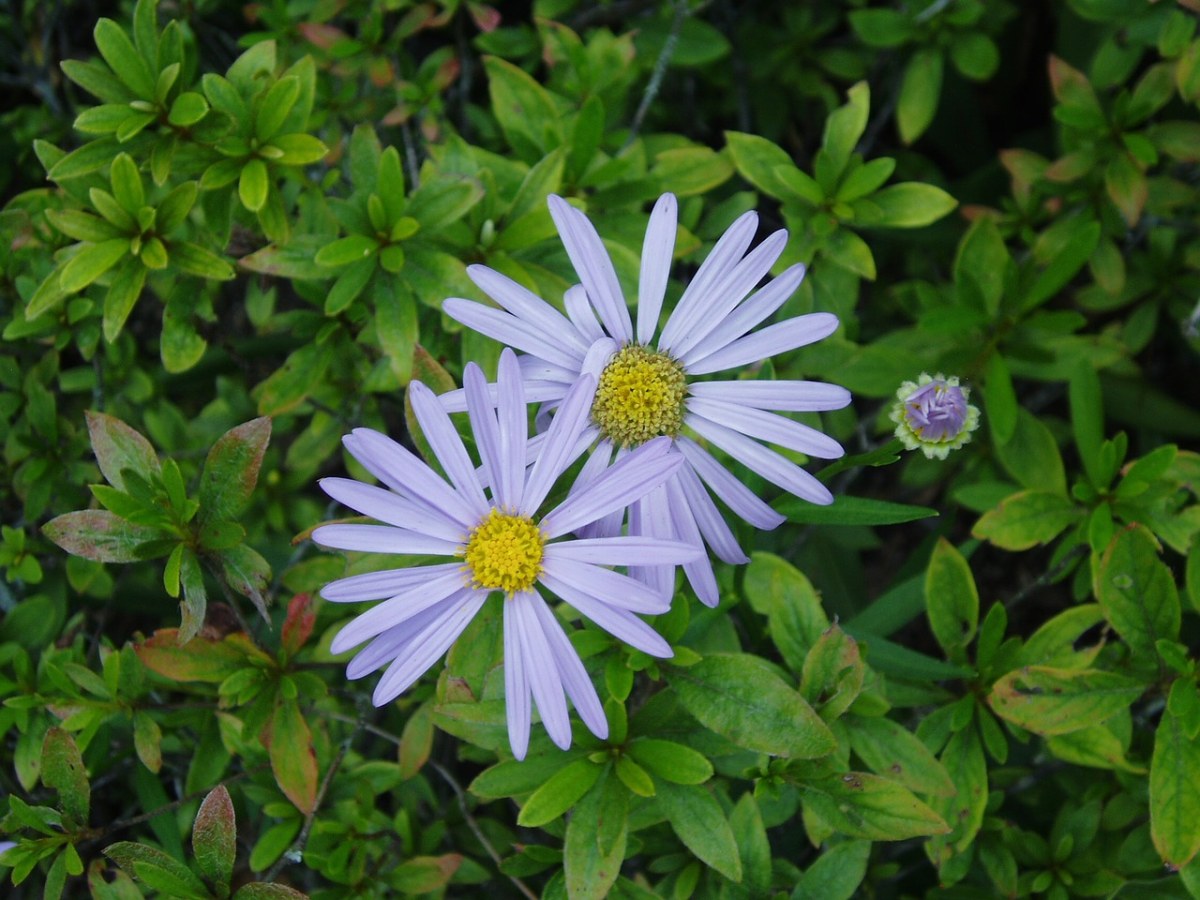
(591, 261)
(728, 292)
(388, 507)
(513, 418)
(632, 477)
(392, 643)
(516, 687)
(593, 466)
(447, 446)
(713, 527)
(651, 515)
(381, 585)
(580, 312)
(534, 371)
(765, 462)
(598, 356)
(606, 585)
(699, 571)
(786, 396)
(757, 308)
(658, 250)
(626, 550)
(574, 676)
(739, 498)
(508, 329)
(544, 680)
(528, 307)
(401, 608)
(481, 408)
(769, 341)
(623, 625)
(562, 441)
(382, 539)
(698, 294)
(428, 646)
(766, 426)
(405, 474)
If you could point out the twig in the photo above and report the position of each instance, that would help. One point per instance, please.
(660, 69)
(1074, 554)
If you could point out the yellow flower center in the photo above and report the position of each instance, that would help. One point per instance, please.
(639, 396)
(504, 553)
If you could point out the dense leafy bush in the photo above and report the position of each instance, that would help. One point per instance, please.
(228, 233)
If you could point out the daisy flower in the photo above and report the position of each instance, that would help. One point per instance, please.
(488, 522)
(647, 377)
(932, 415)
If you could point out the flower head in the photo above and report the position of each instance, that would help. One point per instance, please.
(647, 376)
(488, 523)
(933, 415)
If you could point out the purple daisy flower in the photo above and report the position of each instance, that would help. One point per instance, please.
(488, 520)
(646, 388)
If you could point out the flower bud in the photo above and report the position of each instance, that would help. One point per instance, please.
(933, 415)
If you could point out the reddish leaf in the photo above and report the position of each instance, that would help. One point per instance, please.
(99, 535)
(423, 874)
(416, 741)
(118, 446)
(200, 659)
(63, 770)
(231, 470)
(214, 838)
(293, 760)
(299, 623)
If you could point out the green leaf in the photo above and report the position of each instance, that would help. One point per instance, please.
(846, 125)
(173, 209)
(795, 617)
(1030, 455)
(526, 113)
(289, 385)
(99, 81)
(964, 807)
(82, 226)
(92, 261)
(192, 259)
(99, 535)
(269, 890)
(127, 184)
(1050, 701)
(293, 760)
(1127, 187)
(254, 184)
(846, 510)
(670, 761)
(194, 604)
(697, 819)
(559, 793)
(692, 170)
(912, 204)
(123, 293)
(590, 863)
(187, 109)
(833, 673)
(1137, 592)
(344, 251)
(866, 806)
(920, 91)
(158, 870)
(864, 180)
(123, 58)
(1175, 787)
(846, 249)
(274, 108)
(1026, 519)
(179, 345)
(759, 161)
(975, 54)
(63, 771)
(881, 27)
(119, 447)
(214, 838)
(231, 471)
(895, 659)
(741, 698)
(298, 149)
(147, 741)
(440, 201)
(91, 157)
(892, 751)
(1073, 248)
(951, 600)
(200, 659)
(837, 872)
(981, 262)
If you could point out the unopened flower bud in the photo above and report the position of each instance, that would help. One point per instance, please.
(933, 415)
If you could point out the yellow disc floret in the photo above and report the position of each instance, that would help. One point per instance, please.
(504, 553)
(639, 396)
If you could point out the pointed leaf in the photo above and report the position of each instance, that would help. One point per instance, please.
(99, 535)
(697, 819)
(293, 760)
(63, 771)
(214, 838)
(231, 471)
(119, 447)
